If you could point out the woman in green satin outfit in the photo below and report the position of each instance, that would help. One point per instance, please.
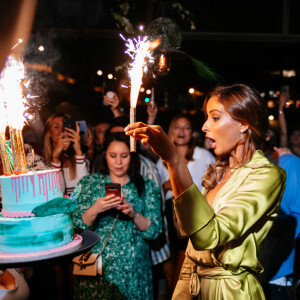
(227, 222)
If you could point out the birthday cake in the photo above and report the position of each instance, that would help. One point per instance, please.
(32, 217)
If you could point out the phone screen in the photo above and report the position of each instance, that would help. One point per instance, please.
(82, 126)
(113, 188)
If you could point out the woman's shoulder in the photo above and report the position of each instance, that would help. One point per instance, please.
(260, 164)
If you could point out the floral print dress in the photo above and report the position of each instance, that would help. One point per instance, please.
(126, 256)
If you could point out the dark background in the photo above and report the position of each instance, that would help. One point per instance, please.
(242, 41)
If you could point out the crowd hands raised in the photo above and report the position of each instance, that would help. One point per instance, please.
(166, 167)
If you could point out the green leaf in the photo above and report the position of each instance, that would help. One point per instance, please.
(204, 71)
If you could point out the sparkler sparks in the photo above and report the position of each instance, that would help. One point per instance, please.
(12, 111)
(139, 49)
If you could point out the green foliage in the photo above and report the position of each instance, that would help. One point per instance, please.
(204, 71)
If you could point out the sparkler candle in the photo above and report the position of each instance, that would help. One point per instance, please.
(4, 156)
(11, 79)
(139, 49)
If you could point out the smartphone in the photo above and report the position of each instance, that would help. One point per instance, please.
(68, 123)
(82, 126)
(113, 188)
(109, 94)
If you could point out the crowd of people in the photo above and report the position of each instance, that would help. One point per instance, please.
(219, 219)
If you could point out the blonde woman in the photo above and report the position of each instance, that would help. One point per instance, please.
(63, 150)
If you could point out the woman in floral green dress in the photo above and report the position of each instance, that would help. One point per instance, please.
(126, 256)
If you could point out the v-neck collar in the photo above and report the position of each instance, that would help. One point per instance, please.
(258, 159)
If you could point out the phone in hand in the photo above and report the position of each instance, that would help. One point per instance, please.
(68, 123)
(82, 126)
(113, 188)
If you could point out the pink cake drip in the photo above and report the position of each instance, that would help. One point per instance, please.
(23, 185)
(16, 214)
(33, 185)
(49, 182)
(43, 180)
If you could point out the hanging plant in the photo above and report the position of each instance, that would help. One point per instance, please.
(120, 12)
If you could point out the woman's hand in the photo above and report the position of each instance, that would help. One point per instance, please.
(107, 202)
(63, 143)
(74, 136)
(102, 204)
(283, 98)
(281, 151)
(160, 143)
(141, 222)
(152, 112)
(127, 208)
(154, 136)
(114, 104)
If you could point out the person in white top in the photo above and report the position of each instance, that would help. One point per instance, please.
(63, 150)
(197, 160)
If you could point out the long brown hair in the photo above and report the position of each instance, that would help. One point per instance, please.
(48, 145)
(134, 166)
(192, 141)
(243, 104)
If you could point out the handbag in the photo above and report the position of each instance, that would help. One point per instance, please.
(90, 264)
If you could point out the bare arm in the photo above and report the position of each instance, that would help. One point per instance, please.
(282, 121)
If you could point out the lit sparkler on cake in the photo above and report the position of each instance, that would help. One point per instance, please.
(12, 110)
(139, 49)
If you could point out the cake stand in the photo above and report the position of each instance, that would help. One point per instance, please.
(83, 241)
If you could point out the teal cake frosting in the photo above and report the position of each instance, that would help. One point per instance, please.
(35, 215)
(26, 191)
(21, 235)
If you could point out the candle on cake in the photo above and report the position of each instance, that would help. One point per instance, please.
(11, 81)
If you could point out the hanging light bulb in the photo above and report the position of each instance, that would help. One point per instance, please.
(162, 63)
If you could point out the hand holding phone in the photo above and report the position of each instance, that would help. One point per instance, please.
(68, 123)
(104, 204)
(113, 189)
(82, 126)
